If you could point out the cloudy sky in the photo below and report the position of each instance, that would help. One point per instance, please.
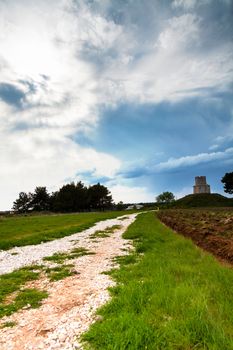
(135, 94)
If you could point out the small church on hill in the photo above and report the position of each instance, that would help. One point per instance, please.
(200, 185)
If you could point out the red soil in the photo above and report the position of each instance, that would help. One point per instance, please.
(210, 229)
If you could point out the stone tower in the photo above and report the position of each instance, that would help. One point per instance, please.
(200, 185)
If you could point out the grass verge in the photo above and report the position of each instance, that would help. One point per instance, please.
(173, 296)
(20, 231)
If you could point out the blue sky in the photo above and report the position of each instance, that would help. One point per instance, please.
(134, 94)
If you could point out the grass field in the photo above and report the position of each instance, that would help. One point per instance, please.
(20, 231)
(173, 296)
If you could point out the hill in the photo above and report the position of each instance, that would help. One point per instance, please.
(203, 200)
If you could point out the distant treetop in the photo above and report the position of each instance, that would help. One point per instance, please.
(227, 180)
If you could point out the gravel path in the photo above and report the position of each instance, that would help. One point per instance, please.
(70, 308)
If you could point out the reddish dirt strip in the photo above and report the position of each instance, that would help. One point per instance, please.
(210, 229)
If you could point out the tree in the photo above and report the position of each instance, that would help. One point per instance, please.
(99, 197)
(227, 180)
(165, 197)
(22, 204)
(81, 197)
(40, 199)
(121, 206)
(64, 199)
(70, 198)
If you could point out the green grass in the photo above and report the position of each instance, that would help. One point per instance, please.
(59, 272)
(20, 231)
(13, 294)
(124, 218)
(105, 233)
(75, 253)
(173, 296)
(9, 324)
(203, 200)
(12, 283)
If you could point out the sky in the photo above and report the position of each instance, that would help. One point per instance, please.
(134, 94)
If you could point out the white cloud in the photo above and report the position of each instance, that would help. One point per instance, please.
(128, 194)
(189, 4)
(39, 54)
(41, 159)
(186, 4)
(213, 147)
(175, 163)
(179, 32)
(173, 68)
(68, 61)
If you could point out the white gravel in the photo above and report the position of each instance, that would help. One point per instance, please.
(70, 307)
(18, 257)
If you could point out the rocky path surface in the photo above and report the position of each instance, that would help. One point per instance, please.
(70, 307)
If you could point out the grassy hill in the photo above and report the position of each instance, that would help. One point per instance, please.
(204, 200)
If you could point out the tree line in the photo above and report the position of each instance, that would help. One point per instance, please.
(69, 198)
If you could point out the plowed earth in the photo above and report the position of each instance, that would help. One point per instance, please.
(210, 229)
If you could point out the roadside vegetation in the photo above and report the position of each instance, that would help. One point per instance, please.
(169, 295)
(13, 293)
(24, 230)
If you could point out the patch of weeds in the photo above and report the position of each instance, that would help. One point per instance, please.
(68, 265)
(80, 251)
(26, 297)
(99, 234)
(59, 272)
(32, 297)
(8, 324)
(111, 229)
(105, 233)
(12, 282)
(74, 241)
(34, 268)
(124, 218)
(59, 258)
(12, 296)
